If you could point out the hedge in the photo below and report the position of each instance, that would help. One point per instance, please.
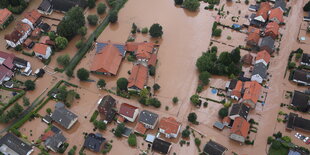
(28, 54)
(13, 99)
(94, 116)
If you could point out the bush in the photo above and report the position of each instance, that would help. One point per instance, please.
(94, 116)
(191, 5)
(154, 102)
(195, 100)
(197, 142)
(79, 44)
(156, 87)
(270, 140)
(291, 65)
(192, 117)
(217, 32)
(144, 30)
(26, 101)
(156, 30)
(63, 60)
(223, 112)
(175, 100)
(83, 74)
(185, 133)
(307, 7)
(178, 2)
(69, 73)
(132, 140)
(101, 8)
(199, 88)
(122, 84)
(82, 31)
(61, 42)
(48, 110)
(100, 125)
(101, 83)
(119, 130)
(113, 16)
(276, 145)
(92, 19)
(205, 104)
(152, 70)
(91, 3)
(30, 85)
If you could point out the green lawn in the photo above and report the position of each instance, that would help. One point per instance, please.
(281, 151)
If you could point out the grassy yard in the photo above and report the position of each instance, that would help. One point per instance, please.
(283, 150)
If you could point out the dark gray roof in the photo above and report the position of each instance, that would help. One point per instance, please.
(55, 129)
(254, 22)
(281, 4)
(15, 144)
(267, 42)
(94, 142)
(63, 116)
(305, 58)
(292, 152)
(66, 5)
(254, 7)
(148, 117)
(45, 6)
(301, 101)
(232, 84)
(213, 148)
(301, 75)
(106, 107)
(47, 118)
(298, 122)
(55, 141)
(161, 146)
(260, 69)
(19, 61)
(127, 132)
(240, 109)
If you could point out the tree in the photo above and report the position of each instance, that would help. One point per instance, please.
(100, 125)
(49, 110)
(204, 77)
(113, 16)
(101, 83)
(52, 35)
(291, 65)
(270, 140)
(225, 58)
(156, 30)
(132, 140)
(287, 139)
(186, 132)
(192, 117)
(72, 150)
(119, 130)
(122, 84)
(235, 55)
(247, 2)
(197, 142)
(63, 60)
(144, 93)
(307, 7)
(82, 31)
(61, 42)
(175, 100)
(152, 70)
(214, 49)
(223, 112)
(26, 101)
(154, 102)
(83, 74)
(195, 99)
(92, 19)
(79, 44)
(276, 145)
(217, 32)
(178, 2)
(91, 3)
(156, 87)
(30, 85)
(101, 8)
(191, 5)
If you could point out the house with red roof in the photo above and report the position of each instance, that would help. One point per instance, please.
(32, 18)
(6, 18)
(144, 51)
(236, 92)
(5, 74)
(129, 112)
(138, 78)
(6, 59)
(253, 36)
(276, 15)
(251, 93)
(170, 127)
(272, 30)
(42, 51)
(239, 130)
(263, 56)
(262, 13)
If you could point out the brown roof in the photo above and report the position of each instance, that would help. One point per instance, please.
(263, 10)
(140, 128)
(240, 127)
(144, 50)
(237, 90)
(36, 32)
(120, 119)
(251, 91)
(22, 27)
(253, 37)
(40, 48)
(138, 76)
(247, 59)
(44, 39)
(272, 29)
(276, 13)
(4, 15)
(127, 110)
(14, 36)
(6, 55)
(33, 16)
(47, 135)
(170, 125)
(252, 29)
(226, 120)
(107, 60)
(5, 72)
(27, 42)
(152, 61)
(263, 55)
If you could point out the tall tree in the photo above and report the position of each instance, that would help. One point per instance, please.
(235, 55)
(156, 30)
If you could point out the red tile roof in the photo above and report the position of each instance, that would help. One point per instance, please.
(107, 60)
(253, 37)
(22, 27)
(5, 72)
(237, 90)
(120, 119)
(36, 32)
(127, 110)
(276, 13)
(131, 46)
(4, 15)
(251, 91)
(272, 29)
(252, 29)
(40, 48)
(144, 50)
(263, 10)
(226, 120)
(5, 55)
(170, 125)
(138, 76)
(152, 61)
(33, 16)
(263, 55)
(240, 127)
(140, 128)
(27, 42)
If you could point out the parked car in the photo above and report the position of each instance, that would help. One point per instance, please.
(302, 137)
(306, 139)
(297, 135)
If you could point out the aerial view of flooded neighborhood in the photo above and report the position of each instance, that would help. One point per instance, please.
(153, 77)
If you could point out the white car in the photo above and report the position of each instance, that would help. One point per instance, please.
(305, 140)
(298, 135)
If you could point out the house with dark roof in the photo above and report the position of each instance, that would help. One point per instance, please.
(106, 107)
(45, 7)
(267, 43)
(295, 122)
(254, 8)
(161, 146)
(23, 65)
(129, 112)
(94, 142)
(251, 92)
(148, 119)
(239, 110)
(138, 78)
(230, 85)
(280, 4)
(48, 6)
(301, 101)
(12, 145)
(259, 72)
(305, 60)
(239, 130)
(63, 116)
(6, 17)
(301, 77)
(272, 30)
(55, 141)
(107, 59)
(254, 22)
(213, 148)
(170, 127)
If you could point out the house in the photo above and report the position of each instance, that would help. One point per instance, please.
(42, 51)
(295, 122)
(66, 5)
(259, 72)
(267, 43)
(45, 7)
(239, 110)
(254, 22)
(23, 65)
(19, 35)
(94, 142)
(106, 107)
(148, 119)
(231, 85)
(251, 93)
(63, 116)
(301, 101)
(107, 59)
(170, 127)
(213, 148)
(129, 112)
(276, 15)
(239, 130)
(44, 27)
(263, 57)
(55, 142)
(305, 60)
(236, 93)
(138, 78)
(293, 152)
(46, 40)
(142, 50)
(254, 8)
(36, 33)
(153, 60)
(32, 18)
(272, 30)
(140, 128)
(247, 59)
(28, 43)
(301, 77)
(150, 138)
(12, 145)
(253, 39)
(5, 74)
(6, 18)
(6, 59)
(262, 13)
(280, 4)
(161, 146)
